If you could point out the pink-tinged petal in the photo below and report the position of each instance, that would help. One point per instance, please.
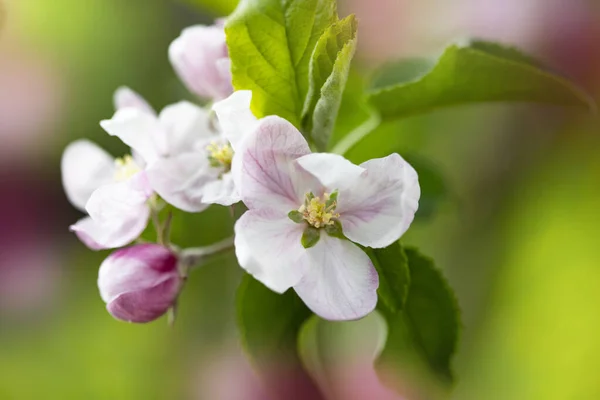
(380, 209)
(124, 97)
(264, 169)
(186, 127)
(197, 57)
(180, 180)
(332, 170)
(268, 247)
(139, 130)
(85, 167)
(235, 117)
(221, 191)
(118, 214)
(341, 282)
(139, 283)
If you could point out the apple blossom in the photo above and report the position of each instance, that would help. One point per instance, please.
(114, 194)
(200, 58)
(187, 155)
(302, 209)
(140, 283)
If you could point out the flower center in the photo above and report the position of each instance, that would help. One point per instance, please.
(220, 155)
(126, 167)
(319, 212)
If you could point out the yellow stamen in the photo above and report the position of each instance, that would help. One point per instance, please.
(319, 213)
(126, 167)
(220, 155)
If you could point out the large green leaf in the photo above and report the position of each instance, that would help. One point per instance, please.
(422, 338)
(477, 72)
(394, 276)
(270, 44)
(329, 69)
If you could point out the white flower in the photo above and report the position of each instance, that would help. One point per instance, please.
(302, 205)
(114, 192)
(201, 59)
(187, 156)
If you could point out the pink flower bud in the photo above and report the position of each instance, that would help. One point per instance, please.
(201, 59)
(139, 283)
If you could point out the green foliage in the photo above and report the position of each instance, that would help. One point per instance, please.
(329, 69)
(310, 237)
(422, 338)
(269, 322)
(478, 72)
(270, 44)
(394, 276)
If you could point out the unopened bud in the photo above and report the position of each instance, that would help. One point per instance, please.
(139, 283)
(201, 59)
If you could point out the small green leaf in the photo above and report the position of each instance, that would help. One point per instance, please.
(477, 72)
(329, 69)
(332, 199)
(270, 44)
(310, 237)
(296, 216)
(335, 230)
(269, 322)
(422, 338)
(391, 264)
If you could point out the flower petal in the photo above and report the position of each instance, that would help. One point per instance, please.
(264, 169)
(85, 167)
(180, 180)
(332, 170)
(221, 191)
(139, 130)
(268, 247)
(381, 207)
(118, 214)
(235, 117)
(341, 283)
(186, 127)
(124, 97)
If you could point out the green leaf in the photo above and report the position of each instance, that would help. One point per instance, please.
(422, 338)
(296, 216)
(310, 237)
(391, 264)
(269, 322)
(270, 44)
(329, 69)
(434, 190)
(477, 72)
(335, 230)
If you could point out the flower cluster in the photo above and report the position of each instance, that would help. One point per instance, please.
(308, 213)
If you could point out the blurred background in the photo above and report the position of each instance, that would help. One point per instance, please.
(517, 235)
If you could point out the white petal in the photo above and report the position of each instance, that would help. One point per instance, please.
(221, 191)
(235, 117)
(139, 130)
(185, 125)
(118, 214)
(379, 210)
(341, 283)
(268, 247)
(332, 170)
(180, 180)
(124, 97)
(264, 169)
(85, 167)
